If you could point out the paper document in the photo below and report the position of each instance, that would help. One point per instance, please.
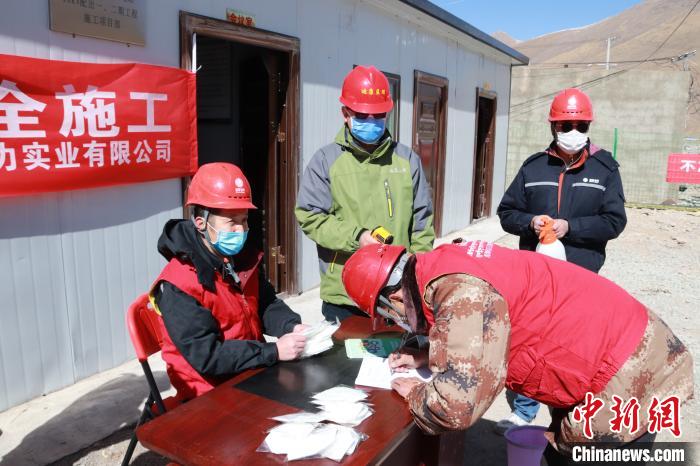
(371, 347)
(375, 372)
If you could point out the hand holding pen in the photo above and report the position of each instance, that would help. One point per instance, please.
(407, 359)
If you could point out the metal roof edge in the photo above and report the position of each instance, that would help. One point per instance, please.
(448, 18)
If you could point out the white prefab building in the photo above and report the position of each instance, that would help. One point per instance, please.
(72, 262)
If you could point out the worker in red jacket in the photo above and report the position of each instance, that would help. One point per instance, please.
(542, 327)
(212, 297)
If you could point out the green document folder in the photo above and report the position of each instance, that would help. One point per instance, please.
(370, 347)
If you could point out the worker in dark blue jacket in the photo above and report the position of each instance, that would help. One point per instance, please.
(579, 186)
(573, 182)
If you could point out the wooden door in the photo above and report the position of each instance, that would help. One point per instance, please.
(280, 57)
(278, 200)
(429, 129)
(483, 153)
(286, 137)
(272, 222)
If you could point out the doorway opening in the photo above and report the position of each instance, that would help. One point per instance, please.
(483, 153)
(247, 114)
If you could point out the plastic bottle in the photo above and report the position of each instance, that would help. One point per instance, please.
(549, 245)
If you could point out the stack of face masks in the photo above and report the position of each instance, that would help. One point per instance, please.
(343, 405)
(302, 435)
(318, 338)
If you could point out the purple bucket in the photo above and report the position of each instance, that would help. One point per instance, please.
(525, 445)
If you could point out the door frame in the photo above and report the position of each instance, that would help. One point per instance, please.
(288, 134)
(438, 189)
(493, 96)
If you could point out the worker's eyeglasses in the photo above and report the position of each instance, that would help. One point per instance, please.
(364, 116)
(389, 290)
(386, 309)
(566, 126)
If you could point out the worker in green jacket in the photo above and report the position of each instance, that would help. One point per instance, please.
(363, 182)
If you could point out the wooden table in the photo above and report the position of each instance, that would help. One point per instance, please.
(227, 424)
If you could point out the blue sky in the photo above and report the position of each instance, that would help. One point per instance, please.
(525, 19)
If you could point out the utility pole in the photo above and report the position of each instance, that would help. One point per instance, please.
(607, 56)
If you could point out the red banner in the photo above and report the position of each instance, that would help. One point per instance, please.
(67, 125)
(683, 168)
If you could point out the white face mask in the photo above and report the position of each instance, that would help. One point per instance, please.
(571, 142)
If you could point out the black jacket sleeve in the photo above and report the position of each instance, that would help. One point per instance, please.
(195, 333)
(609, 222)
(515, 218)
(276, 316)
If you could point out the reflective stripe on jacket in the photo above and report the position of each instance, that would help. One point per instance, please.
(588, 195)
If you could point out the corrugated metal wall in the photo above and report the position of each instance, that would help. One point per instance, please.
(70, 263)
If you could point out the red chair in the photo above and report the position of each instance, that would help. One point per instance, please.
(144, 330)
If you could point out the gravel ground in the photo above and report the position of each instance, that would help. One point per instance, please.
(689, 195)
(657, 259)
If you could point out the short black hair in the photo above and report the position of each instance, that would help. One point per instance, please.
(198, 211)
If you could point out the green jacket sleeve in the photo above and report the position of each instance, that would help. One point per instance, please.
(422, 231)
(313, 210)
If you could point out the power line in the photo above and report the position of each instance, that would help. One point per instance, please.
(559, 64)
(521, 108)
(674, 31)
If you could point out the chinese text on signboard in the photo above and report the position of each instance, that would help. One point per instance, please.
(66, 125)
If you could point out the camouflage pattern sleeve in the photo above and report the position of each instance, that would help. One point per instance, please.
(468, 354)
(660, 368)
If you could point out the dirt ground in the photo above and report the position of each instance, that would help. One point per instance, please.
(657, 259)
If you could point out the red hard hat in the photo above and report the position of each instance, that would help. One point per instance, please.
(220, 185)
(571, 105)
(366, 90)
(367, 271)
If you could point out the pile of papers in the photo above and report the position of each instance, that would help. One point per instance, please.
(318, 338)
(303, 435)
(375, 372)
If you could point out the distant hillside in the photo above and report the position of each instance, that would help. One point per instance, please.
(506, 38)
(638, 32)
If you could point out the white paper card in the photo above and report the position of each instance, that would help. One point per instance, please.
(375, 372)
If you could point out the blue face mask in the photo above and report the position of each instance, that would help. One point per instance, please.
(368, 130)
(229, 243)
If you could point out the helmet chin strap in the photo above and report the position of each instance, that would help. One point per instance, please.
(203, 231)
(397, 317)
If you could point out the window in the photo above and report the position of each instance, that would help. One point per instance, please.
(392, 119)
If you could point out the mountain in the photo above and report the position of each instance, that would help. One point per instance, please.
(506, 38)
(639, 31)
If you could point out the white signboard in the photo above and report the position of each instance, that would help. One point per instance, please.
(117, 20)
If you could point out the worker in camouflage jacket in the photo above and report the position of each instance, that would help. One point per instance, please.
(547, 329)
